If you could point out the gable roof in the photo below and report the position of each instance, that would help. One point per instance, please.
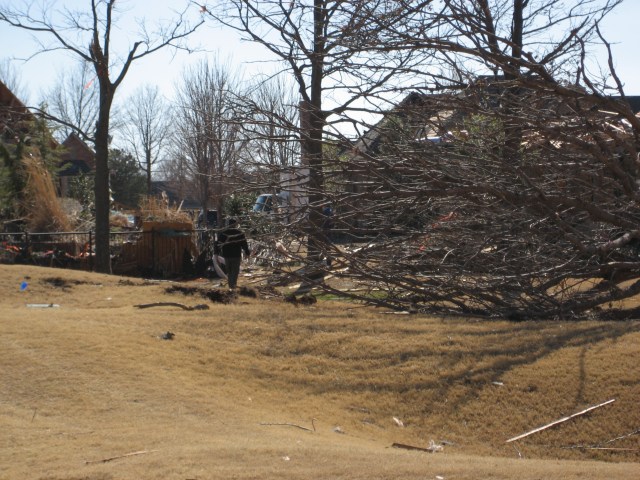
(77, 156)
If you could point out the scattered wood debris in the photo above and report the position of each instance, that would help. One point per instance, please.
(562, 420)
(173, 304)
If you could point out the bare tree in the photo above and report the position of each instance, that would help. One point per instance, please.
(146, 126)
(208, 134)
(88, 34)
(74, 100)
(332, 51)
(273, 124)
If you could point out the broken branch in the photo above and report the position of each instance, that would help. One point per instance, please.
(562, 420)
(105, 460)
(290, 425)
(173, 304)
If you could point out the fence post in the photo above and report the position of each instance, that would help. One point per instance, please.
(90, 250)
(153, 250)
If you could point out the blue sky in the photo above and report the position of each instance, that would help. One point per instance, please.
(623, 32)
(164, 69)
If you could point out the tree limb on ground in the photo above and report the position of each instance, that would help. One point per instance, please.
(105, 460)
(562, 420)
(173, 304)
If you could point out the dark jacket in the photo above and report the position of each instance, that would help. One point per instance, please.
(231, 242)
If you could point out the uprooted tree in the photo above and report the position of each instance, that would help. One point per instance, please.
(529, 174)
(504, 183)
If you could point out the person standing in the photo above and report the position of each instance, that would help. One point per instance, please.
(231, 242)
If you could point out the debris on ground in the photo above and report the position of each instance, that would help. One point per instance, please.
(398, 422)
(306, 299)
(432, 448)
(173, 304)
(214, 295)
(247, 292)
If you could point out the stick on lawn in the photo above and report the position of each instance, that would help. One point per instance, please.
(291, 425)
(105, 460)
(544, 427)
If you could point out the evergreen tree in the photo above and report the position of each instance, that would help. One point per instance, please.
(127, 181)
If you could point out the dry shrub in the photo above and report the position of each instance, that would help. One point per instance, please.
(42, 206)
(118, 220)
(158, 210)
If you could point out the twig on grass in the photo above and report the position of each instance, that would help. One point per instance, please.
(291, 425)
(517, 451)
(600, 446)
(580, 447)
(564, 419)
(635, 432)
(105, 460)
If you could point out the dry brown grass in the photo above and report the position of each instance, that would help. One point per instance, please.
(43, 208)
(92, 380)
(158, 210)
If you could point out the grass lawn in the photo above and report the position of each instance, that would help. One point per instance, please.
(261, 388)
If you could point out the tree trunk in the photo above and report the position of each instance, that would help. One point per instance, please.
(312, 136)
(102, 200)
(148, 170)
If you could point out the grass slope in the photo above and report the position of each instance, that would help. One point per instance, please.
(260, 388)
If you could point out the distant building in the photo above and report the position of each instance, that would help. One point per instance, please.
(77, 158)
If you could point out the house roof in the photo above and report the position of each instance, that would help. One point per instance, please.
(77, 156)
(433, 115)
(433, 112)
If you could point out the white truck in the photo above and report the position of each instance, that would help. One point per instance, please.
(290, 200)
